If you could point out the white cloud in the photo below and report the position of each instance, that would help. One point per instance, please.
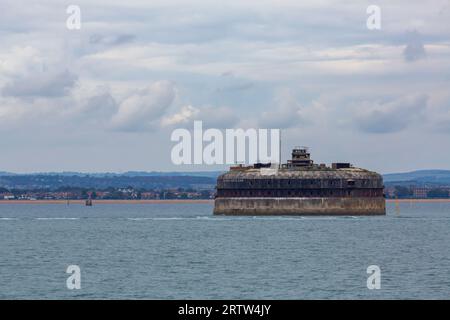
(19, 60)
(143, 109)
(212, 117)
(185, 114)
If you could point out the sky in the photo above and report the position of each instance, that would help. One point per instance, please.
(106, 97)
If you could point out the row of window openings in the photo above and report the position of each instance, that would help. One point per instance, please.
(331, 183)
(300, 193)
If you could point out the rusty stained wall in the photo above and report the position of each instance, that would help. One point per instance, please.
(300, 206)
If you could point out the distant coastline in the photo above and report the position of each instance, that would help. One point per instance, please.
(172, 201)
(200, 185)
(184, 201)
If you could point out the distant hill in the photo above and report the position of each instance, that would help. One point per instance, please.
(54, 181)
(135, 179)
(176, 179)
(4, 173)
(211, 174)
(420, 177)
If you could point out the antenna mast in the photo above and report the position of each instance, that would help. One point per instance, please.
(279, 152)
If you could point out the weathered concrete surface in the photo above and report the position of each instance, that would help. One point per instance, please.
(300, 206)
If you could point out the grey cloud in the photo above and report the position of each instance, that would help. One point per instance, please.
(285, 114)
(280, 119)
(227, 74)
(229, 82)
(44, 84)
(220, 117)
(392, 116)
(415, 49)
(443, 126)
(236, 87)
(111, 40)
(101, 105)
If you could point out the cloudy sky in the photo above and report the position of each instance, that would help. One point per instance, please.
(107, 97)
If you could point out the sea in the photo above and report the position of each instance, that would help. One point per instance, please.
(182, 251)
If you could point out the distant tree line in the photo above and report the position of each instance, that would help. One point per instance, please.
(433, 193)
(54, 182)
(109, 193)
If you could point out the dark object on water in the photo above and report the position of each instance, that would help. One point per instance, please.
(299, 187)
(89, 202)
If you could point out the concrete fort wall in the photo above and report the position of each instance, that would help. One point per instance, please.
(364, 206)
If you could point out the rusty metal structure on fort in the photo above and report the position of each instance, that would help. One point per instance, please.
(299, 187)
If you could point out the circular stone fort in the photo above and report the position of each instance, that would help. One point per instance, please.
(299, 187)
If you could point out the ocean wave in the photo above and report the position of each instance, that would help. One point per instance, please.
(240, 218)
(422, 218)
(206, 218)
(157, 218)
(270, 218)
(294, 218)
(212, 218)
(57, 218)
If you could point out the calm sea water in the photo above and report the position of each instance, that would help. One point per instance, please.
(182, 251)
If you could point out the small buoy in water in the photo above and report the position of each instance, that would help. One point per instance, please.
(397, 206)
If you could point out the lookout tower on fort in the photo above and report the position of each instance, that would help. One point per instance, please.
(300, 158)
